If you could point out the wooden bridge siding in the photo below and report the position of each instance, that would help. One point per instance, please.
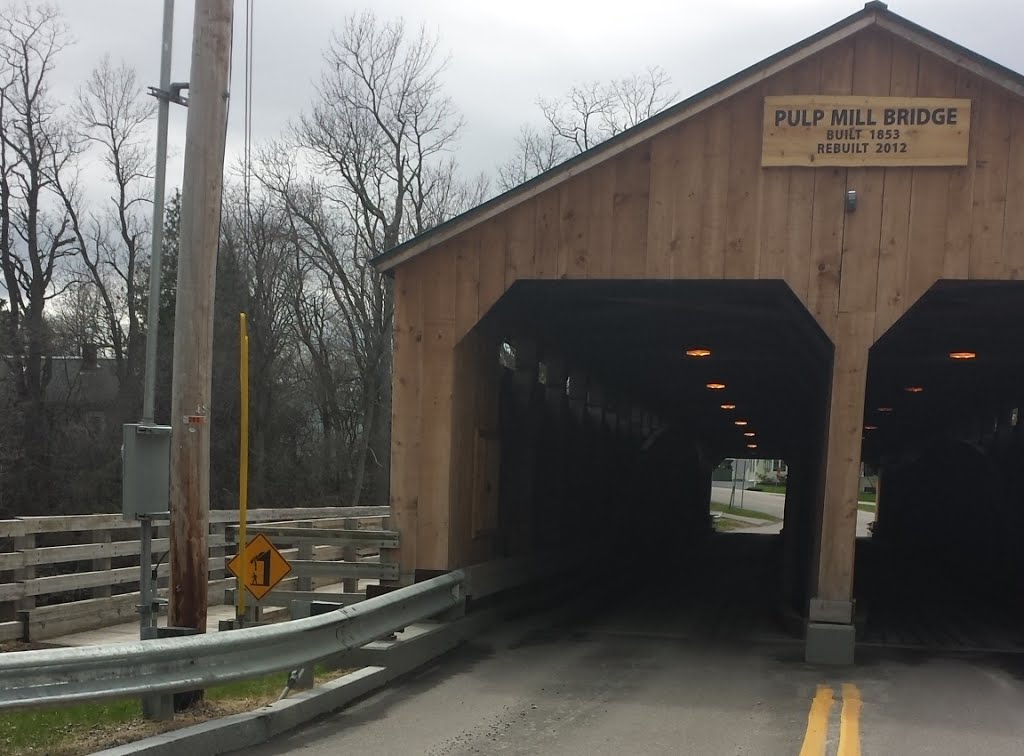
(693, 202)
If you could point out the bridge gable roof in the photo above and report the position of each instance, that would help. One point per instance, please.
(874, 15)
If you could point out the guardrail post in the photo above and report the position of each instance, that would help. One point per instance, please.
(102, 564)
(302, 678)
(158, 707)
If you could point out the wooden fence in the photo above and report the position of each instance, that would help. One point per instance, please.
(61, 575)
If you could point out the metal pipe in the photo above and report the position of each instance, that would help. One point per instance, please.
(146, 588)
(153, 317)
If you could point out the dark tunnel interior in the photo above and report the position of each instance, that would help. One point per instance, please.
(610, 430)
(945, 566)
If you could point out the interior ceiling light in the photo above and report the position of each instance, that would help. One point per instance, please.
(914, 389)
(728, 406)
(698, 352)
(885, 409)
(741, 422)
(716, 386)
(751, 446)
(870, 427)
(962, 355)
(750, 434)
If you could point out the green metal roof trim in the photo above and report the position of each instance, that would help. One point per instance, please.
(874, 13)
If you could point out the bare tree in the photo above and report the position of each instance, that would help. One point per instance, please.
(113, 240)
(535, 153)
(35, 148)
(637, 97)
(376, 140)
(255, 232)
(585, 116)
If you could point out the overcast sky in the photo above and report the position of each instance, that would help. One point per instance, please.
(504, 54)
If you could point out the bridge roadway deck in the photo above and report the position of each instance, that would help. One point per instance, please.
(699, 668)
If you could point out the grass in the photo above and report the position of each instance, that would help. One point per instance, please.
(768, 489)
(725, 524)
(84, 728)
(753, 513)
(863, 497)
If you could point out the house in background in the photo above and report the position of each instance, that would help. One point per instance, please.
(85, 386)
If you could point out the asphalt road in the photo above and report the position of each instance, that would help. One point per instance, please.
(769, 503)
(631, 682)
(773, 504)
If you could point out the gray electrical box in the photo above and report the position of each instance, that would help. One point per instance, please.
(146, 475)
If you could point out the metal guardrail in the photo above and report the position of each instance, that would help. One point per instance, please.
(69, 675)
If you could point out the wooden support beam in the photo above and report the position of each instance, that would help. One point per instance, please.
(854, 335)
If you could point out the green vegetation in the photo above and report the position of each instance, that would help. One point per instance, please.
(728, 519)
(768, 488)
(765, 488)
(725, 524)
(85, 728)
(753, 513)
(53, 730)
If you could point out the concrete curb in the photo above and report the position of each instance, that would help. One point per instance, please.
(255, 727)
(387, 660)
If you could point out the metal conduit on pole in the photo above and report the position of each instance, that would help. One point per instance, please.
(193, 328)
(147, 588)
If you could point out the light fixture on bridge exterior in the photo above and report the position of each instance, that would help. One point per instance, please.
(698, 352)
(914, 389)
(751, 446)
(727, 406)
(740, 422)
(715, 386)
(870, 427)
(750, 434)
(885, 409)
(962, 355)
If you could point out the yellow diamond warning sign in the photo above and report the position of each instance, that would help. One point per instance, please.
(259, 566)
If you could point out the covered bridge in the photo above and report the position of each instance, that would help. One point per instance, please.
(841, 228)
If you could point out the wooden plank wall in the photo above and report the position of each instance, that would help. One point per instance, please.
(694, 202)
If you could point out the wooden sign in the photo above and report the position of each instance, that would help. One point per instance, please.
(824, 130)
(259, 566)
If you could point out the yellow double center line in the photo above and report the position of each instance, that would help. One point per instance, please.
(816, 737)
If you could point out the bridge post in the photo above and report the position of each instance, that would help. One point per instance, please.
(830, 630)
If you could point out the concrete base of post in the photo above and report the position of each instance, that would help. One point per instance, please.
(830, 643)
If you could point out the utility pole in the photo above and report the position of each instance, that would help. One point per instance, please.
(193, 325)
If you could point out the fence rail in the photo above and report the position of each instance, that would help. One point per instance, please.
(60, 575)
